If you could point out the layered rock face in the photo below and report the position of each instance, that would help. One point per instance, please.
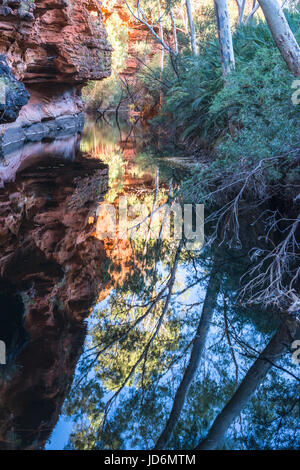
(54, 47)
(51, 273)
(59, 41)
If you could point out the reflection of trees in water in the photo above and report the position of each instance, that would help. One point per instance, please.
(176, 358)
(145, 349)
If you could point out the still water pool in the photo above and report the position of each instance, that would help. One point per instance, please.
(105, 335)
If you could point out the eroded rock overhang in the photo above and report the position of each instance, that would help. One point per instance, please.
(53, 47)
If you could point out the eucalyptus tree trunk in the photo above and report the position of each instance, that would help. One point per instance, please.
(161, 33)
(282, 34)
(184, 17)
(253, 11)
(225, 37)
(254, 377)
(174, 30)
(241, 7)
(208, 308)
(192, 27)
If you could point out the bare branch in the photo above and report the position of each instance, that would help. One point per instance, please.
(141, 17)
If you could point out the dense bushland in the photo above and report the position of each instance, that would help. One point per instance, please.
(196, 103)
(249, 127)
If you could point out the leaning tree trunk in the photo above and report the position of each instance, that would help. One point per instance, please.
(241, 8)
(225, 37)
(192, 27)
(282, 34)
(252, 12)
(254, 377)
(161, 33)
(242, 12)
(174, 30)
(196, 354)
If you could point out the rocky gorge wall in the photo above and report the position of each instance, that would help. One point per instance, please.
(53, 47)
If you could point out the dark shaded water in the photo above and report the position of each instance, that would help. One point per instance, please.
(118, 316)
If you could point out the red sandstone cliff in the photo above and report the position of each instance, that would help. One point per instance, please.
(137, 33)
(53, 47)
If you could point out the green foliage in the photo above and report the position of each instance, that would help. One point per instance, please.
(189, 85)
(254, 119)
(258, 99)
(198, 107)
(107, 92)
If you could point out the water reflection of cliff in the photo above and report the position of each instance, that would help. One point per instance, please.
(132, 175)
(51, 270)
(53, 267)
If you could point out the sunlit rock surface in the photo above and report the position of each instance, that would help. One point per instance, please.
(54, 47)
(138, 35)
(59, 41)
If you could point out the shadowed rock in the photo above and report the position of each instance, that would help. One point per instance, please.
(13, 94)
